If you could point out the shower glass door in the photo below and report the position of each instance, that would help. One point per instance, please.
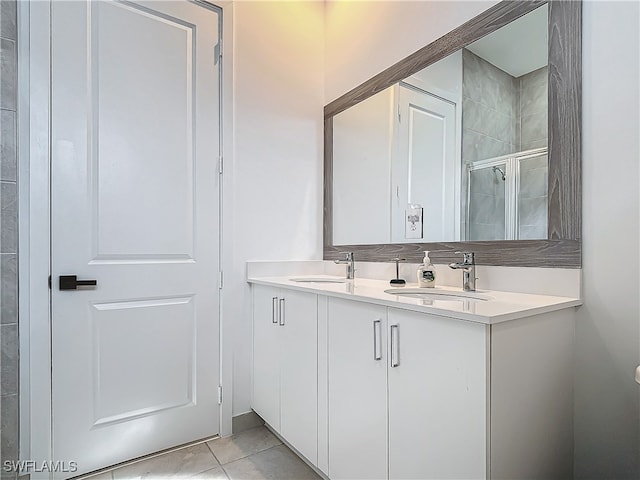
(487, 216)
(532, 196)
(507, 197)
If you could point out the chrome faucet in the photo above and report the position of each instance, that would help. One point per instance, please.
(349, 262)
(468, 267)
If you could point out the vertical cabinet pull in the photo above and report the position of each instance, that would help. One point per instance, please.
(377, 340)
(274, 310)
(281, 312)
(395, 346)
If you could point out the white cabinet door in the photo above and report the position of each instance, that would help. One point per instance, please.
(357, 390)
(266, 354)
(437, 397)
(285, 365)
(299, 371)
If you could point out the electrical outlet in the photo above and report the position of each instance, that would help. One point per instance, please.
(413, 221)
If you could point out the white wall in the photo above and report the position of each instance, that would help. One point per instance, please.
(277, 161)
(362, 139)
(607, 333)
(363, 38)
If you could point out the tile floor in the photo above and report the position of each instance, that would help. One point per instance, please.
(254, 454)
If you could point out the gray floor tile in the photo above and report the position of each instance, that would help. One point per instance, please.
(277, 463)
(213, 474)
(246, 421)
(183, 463)
(243, 444)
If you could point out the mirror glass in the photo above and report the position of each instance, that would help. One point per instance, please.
(455, 152)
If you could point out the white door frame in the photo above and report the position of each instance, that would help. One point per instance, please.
(34, 257)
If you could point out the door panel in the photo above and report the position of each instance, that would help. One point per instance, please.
(135, 188)
(156, 130)
(129, 383)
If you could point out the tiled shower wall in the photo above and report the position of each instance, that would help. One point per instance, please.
(533, 133)
(532, 198)
(8, 237)
(489, 110)
(501, 115)
(532, 127)
(489, 119)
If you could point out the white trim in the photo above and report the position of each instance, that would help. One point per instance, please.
(226, 220)
(34, 253)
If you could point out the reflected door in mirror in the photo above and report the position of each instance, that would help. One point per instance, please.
(424, 165)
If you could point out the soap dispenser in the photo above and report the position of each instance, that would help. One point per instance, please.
(426, 273)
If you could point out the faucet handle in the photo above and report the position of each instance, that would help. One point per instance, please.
(468, 257)
(348, 256)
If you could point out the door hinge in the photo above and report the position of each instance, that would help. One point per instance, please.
(219, 394)
(217, 52)
(220, 164)
(49, 282)
(399, 118)
(220, 280)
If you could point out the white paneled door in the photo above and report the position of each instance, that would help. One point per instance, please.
(424, 172)
(135, 207)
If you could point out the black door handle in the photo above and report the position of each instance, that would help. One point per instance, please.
(71, 282)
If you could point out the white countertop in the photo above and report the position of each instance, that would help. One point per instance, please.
(498, 306)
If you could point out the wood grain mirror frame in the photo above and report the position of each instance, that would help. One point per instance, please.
(562, 248)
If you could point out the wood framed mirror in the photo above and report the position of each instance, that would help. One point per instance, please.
(562, 245)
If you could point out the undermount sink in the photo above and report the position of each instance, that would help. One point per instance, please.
(317, 280)
(444, 295)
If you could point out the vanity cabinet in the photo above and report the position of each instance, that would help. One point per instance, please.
(407, 394)
(364, 389)
(285, 365)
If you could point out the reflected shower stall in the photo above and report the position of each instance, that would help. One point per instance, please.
(507, 197)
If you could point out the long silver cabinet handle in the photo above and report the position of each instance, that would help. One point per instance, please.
(395, 346)
(377, 340)
(282, 312)
(274, 310)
